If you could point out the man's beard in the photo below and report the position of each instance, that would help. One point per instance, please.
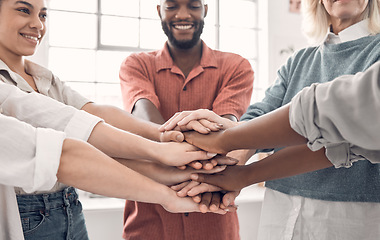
(184, 44)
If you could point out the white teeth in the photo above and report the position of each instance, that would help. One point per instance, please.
(30, 37)
(182, 27)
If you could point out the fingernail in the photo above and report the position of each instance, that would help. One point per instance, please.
(219, 125)
(211, 155)
(179, 138)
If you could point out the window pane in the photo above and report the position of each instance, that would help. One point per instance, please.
(208, 36)
(72, 64)
(108, 94)
(240, 41)
(90, 6)
(148, 9)
(85, 89)
(152, 35)
(239, 13)
(119, 31)
(72, 29)
(108, 65)
(120, 7)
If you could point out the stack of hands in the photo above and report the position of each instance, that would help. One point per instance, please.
(215, 183)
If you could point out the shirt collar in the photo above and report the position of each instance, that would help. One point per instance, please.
(42, 76)
(165, 61)
(356, 31)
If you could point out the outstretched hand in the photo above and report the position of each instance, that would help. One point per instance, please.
(180, 154)
(202, 120)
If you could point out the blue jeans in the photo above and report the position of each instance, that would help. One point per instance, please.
(52, 216)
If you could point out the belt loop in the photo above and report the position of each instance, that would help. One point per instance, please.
(66, 197)
(45, 197)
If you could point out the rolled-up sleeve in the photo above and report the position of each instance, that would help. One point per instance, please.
(29, 156)
(30, 148)
(342, 116)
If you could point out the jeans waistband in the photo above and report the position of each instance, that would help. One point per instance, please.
(46, 201)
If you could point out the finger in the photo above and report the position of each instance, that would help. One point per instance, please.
(172, 122)
(169, 124)
(195, 165)
(229, 198)
(213, 170)
(205, 202)
(215, 201)
(230, 208)
(197, 198)
(200, 114)
(181, 167)
(175, 136)
(197, 156)
(224, 160)
(183, 192)
(210, 125)
(197, 126)
(211, 180)
(201, 188)
(178, 187)
(207, 165)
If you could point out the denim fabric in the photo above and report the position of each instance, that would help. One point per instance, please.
(51, 216)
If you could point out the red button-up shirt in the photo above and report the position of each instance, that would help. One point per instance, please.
(223, 83)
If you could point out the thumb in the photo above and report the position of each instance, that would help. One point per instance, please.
(204, 178)
(175, 136)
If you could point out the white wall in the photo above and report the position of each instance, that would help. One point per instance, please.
(284, 33)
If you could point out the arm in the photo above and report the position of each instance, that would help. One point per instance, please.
(83, 166)
(126, 121)
(284, 163)
(120, 144)
(350, 117)
(164, 174)
(270, 130)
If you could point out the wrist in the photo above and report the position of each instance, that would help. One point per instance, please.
(224, 141)
(166, 198)
(153, 151)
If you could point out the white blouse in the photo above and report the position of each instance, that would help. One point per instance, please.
(30, 149)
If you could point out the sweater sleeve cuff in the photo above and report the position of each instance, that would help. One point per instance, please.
(81, 125)
(48, 153)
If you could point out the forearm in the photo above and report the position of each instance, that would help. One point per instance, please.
(87, 168)
(124, 120)
(145, 109)
(149, 169)
(285, 163)
(120, 144)
(271, 130)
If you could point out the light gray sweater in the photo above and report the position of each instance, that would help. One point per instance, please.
(359, 183)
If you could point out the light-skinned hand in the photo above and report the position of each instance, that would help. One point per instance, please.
(201, 120)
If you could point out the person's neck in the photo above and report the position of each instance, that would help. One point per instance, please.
(14, 62)
(338, 25)
(186, 59)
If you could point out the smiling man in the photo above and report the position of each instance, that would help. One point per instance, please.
(184, 75)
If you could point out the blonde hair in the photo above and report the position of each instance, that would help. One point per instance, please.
(316, 20)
